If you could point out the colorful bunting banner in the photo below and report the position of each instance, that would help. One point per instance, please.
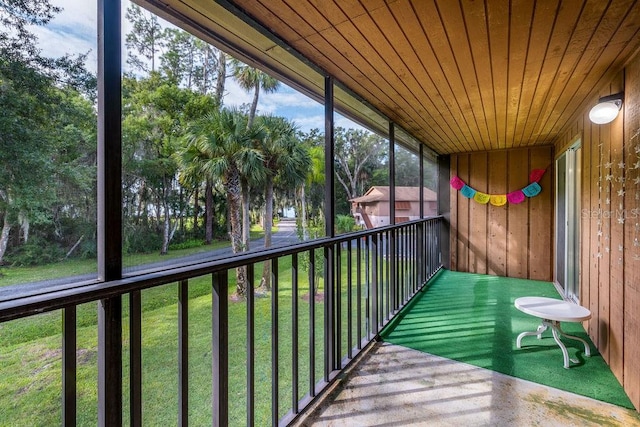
(515, 197)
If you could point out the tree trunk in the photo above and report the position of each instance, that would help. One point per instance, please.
(24, 226)
(4, 236)
(254, 105)
(221, 77)
(208, 213)
(246, 220)
(265, 283)
(234, 200)
(196, 207)
(181, 218)
(166, 226)
(303, 213)
(166, 219)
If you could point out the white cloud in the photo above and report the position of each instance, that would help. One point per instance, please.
(74, 31)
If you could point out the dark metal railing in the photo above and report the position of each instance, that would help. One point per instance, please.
(367, 277)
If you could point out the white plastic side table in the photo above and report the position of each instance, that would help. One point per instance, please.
(552, 311)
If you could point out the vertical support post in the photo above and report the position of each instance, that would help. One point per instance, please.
(392, 259)
(183, 353)
(359, 293)
(392, 173)
(109, 211)
(329, 209)
(444, 209)
(338, 307)
(69, 366)
(329, 152)
(275, 369)
(294, 334)
(135, 358)
(220, 346)
(349, 300)
(421, 156)
(251, 346)
(420, 234)
(374, 285)
(110, 362)
(312, 323)
(109, 141)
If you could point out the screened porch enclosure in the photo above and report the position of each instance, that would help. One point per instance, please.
(457, 87)
(260, 361)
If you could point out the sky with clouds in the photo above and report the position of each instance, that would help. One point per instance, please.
(74, 31)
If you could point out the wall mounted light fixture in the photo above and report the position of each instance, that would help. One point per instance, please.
(606, 110)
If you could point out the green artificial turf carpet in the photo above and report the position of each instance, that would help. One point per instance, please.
(471, 318)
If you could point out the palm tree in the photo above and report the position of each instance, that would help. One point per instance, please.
(251, 79)
(191, 162)
(315, 177)
(286, 161)
(225, 152)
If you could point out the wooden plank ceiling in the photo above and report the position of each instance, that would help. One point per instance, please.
(460, 75)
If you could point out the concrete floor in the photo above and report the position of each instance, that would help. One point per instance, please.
(398, 386)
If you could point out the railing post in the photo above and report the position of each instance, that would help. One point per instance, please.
(250, 347)
(312, 323)
(69, 366)
(374, 285)
(294, 334)
(183, 353)
(275, 370)
(110, 362)
(135, 358)
(220, 352)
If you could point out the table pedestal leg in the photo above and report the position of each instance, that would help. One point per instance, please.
(541, 328)
(557, 332)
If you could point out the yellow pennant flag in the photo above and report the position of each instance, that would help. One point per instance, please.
(498, 199)
(481, 197)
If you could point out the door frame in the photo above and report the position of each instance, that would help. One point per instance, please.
(568, 201)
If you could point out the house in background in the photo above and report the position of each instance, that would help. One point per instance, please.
(372, 209)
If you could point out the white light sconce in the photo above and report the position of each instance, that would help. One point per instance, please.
(607, 108)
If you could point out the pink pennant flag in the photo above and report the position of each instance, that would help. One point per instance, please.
(457, 183)
(516, 197)
(536, 175)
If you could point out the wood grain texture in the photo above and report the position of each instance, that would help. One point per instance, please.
(497, 222)
(631, 274)
(463, 219)
(540, 257)
(610, 236)
(518, 216)
(453, 216)
(478, 167)
(463, 76)
(593, 245)
(510, 240)
(616, 292)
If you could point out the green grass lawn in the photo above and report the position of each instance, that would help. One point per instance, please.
(30, 356)
(72, 267)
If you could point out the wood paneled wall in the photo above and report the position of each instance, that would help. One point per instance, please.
(513, 240)
(610, 230)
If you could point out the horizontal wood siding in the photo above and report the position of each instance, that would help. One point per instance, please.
(511, 240)
(610, 229)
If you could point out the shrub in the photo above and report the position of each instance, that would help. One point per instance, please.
(35, 252)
